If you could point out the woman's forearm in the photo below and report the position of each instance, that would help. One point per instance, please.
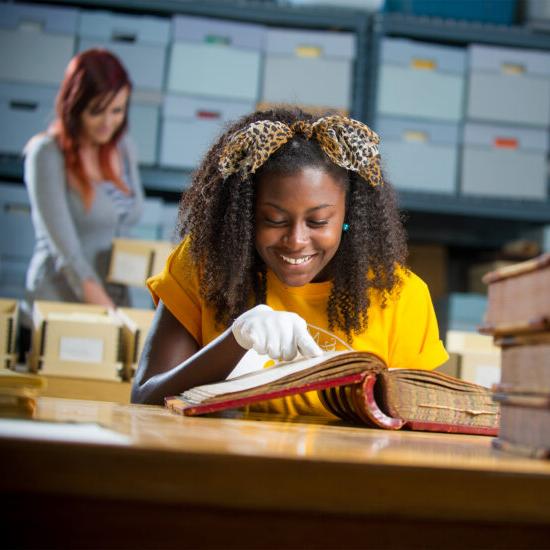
(210, 364)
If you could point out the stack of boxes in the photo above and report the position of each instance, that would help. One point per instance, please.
(506, 132)
(44, 40)
(213, 77)
(419, 108)
(309, 68)
(141, 43)
(16, 239)
(518, 317)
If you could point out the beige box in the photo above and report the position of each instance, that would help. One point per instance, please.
(134, 260)
(73, 339)
(463, 342)
(479, 357)
(135, 326)
(8, 361)
(482, 368)
(477, 271)
(69, 387)
(9, 315)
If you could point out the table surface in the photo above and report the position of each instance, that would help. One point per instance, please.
(128, 451)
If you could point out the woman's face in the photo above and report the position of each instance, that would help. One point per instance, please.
(299, 221)
(100, 122)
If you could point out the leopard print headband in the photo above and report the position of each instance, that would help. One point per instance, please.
(347, 142)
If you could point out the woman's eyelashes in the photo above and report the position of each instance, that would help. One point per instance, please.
(284, 223)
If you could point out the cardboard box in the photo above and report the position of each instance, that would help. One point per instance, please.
(9, 315)
(433, 76)
(133, 261)
(479, 358)
(482, 368)
(429, 262)
(69, 387)
(420, 155)
(80, 340)
(496, 158)
(463, 342)
(305, 58)
(135, 326)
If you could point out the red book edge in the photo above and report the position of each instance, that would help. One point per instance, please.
(369, 407)
(176, 404)
(418, 425)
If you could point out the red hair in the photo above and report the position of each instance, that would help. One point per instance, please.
(94, 74)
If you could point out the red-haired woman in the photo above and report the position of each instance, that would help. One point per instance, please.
(83, 184)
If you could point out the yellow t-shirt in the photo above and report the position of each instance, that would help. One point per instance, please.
(404, 334)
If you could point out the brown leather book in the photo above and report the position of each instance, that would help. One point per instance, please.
(525, 362)
(525, 421)
(519, 297)
(359, 388)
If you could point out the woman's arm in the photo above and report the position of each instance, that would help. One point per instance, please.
(172, 362)
(94, 293)
(45, 179)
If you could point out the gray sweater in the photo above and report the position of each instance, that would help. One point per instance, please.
(73, 244)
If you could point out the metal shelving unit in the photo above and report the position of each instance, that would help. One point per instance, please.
(369, 29)
(504, 216)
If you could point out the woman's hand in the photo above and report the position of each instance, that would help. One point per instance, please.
(94, 293)
(279, 334)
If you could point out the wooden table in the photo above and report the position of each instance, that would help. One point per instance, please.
(140, 476)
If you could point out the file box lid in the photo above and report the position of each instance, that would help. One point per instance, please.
(139, 29)
(412, 130)
(32, 17)
(419, 55)
(303, 43)
(188, 107)
(506, 137)
(216, 31)
(512, 61)
(22, 93)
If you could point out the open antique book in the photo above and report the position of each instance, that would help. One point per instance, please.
(357, 387)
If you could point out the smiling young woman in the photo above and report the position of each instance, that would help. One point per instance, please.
(83, 184)
(288, 222)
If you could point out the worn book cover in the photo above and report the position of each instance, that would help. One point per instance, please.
(519, 297)
(525, 364)
(358, 387)
(525, 424)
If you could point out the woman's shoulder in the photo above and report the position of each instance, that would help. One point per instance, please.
(128, 145)
(410, 280)
(408, 286)
(43, 144)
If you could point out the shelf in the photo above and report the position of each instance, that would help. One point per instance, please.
(173, 181)
(153, 178)
(460, 32)
(501, 209)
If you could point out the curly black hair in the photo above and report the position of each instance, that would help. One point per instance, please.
(218, 216)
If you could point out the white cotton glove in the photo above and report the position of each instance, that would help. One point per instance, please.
(279, 334)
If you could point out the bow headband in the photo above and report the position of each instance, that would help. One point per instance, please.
(347, 142)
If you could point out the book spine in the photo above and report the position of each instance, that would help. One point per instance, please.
(367, 408)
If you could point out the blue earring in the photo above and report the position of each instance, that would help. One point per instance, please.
(345, 227)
